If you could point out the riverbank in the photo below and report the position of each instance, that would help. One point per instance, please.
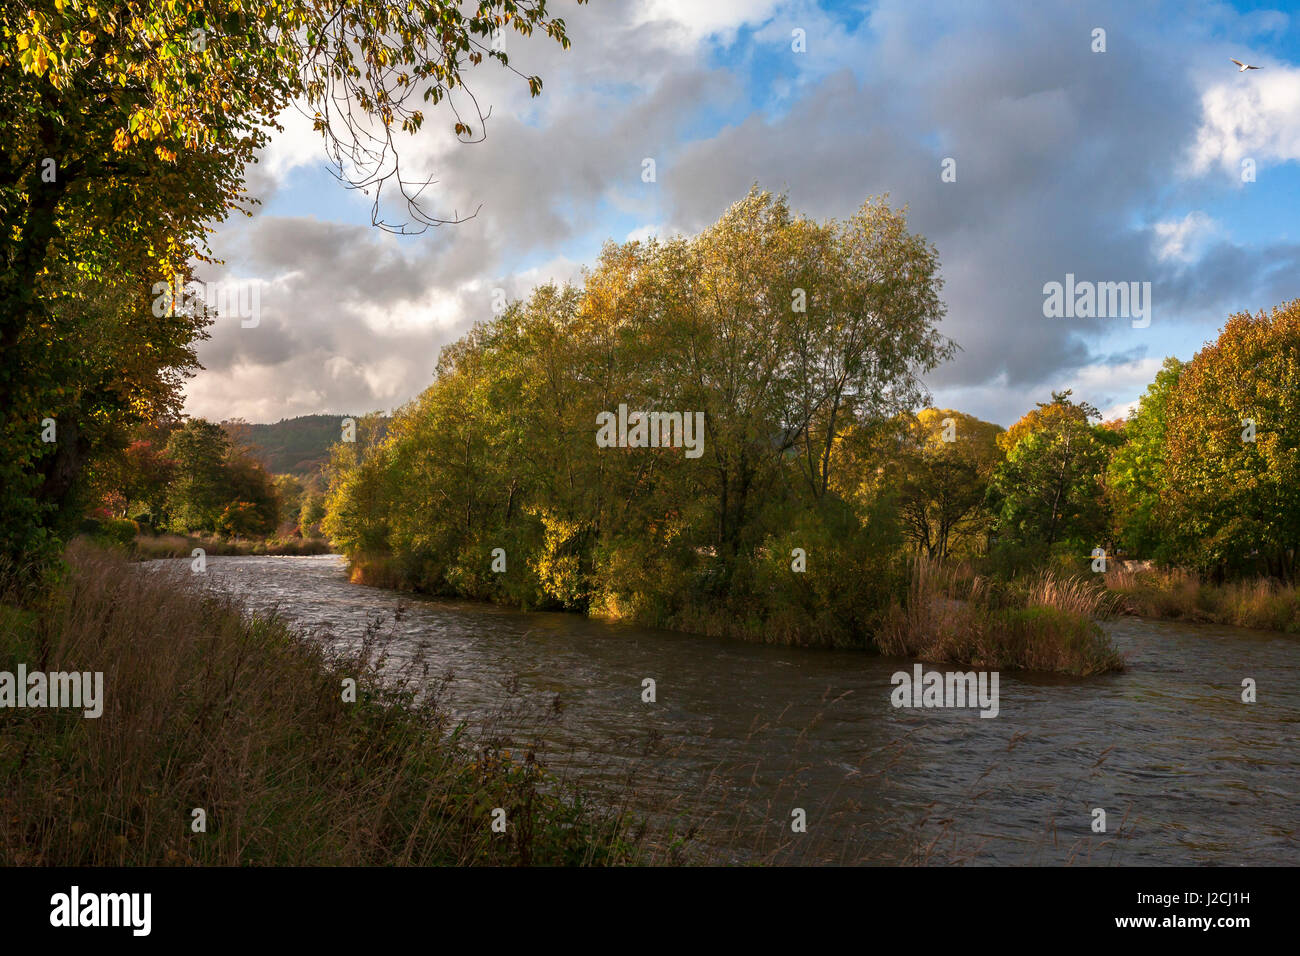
(208, 708)
(147, 547)
(1177, 595)
(943, 614)
(129, 536)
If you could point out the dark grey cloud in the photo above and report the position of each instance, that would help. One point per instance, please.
(1056, 149)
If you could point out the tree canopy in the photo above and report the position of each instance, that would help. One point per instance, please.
(783, 335)
(1233, 444)
(128, 130)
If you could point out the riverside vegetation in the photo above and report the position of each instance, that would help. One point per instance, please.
(824, 478)
(207, 707)
(1182, 595)
(818, 487)
(802, 344)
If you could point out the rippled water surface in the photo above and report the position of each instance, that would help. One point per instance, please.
(1185, 771)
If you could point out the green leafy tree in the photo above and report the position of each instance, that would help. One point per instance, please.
(1050, 489)
(1233, 436)
(1138, 482)
(200, 487)
(128, 128)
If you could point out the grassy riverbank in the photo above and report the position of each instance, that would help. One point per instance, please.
(943, 614)
(147, 547)
(208, 708)
(1179, 595)
(140, 543)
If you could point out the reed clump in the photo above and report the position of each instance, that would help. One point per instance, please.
(1042, 622)
(1182, 595)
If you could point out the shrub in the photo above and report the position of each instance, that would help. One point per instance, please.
(119, 532)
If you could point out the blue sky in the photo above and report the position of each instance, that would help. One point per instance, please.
(1122, 165)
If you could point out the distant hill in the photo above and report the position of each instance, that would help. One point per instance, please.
(293, 446)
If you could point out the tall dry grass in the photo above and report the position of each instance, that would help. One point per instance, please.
(209, 708)
(147, 546)
(1181, 595)
(1042, 623)
(1073, 594)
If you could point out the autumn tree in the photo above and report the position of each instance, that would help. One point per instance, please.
(1233, 437)
(941, 465)
(789, 331)
(247, 481)
(1050, 488)
(128, 128)
(239, 518)
(782, 334)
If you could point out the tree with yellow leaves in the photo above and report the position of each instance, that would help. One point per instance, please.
(1233, 438)
(128, 127)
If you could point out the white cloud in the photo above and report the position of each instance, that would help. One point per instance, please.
(1055, 147)
(298, 145)
(1182, 240)
(1253, 115)
(644, 233)
(695, 20)
(1107, 384)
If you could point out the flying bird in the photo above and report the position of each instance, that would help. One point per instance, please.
(1244, 66)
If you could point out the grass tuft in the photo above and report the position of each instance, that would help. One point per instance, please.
(1042, 623)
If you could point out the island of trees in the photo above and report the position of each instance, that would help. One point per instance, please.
(824, 477)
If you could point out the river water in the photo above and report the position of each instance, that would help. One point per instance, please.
(742, 735)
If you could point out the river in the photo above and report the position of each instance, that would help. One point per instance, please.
(742, 735)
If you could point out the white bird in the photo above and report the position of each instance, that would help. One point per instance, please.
(1244, 66)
